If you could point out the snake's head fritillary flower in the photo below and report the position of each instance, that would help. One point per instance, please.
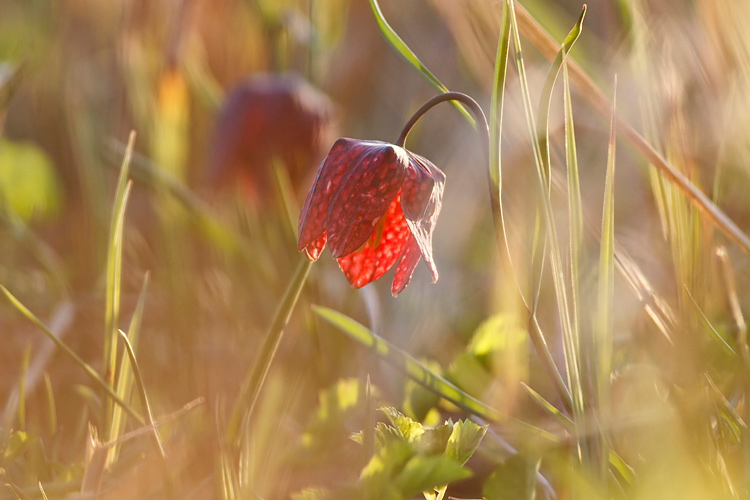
(265, 119)
(376, 205)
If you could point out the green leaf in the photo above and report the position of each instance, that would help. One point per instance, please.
(29, 187)
(423, 473)
(388, 459)
(395, 41)
(464, 440)
(513, 480)
(410, 430)
(407, 364)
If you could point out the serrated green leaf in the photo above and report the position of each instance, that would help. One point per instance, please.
(464, 440)
(435, 439)
(423, 473)
(409, 429)
(388, 459)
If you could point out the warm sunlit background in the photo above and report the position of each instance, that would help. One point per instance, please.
(234, 104)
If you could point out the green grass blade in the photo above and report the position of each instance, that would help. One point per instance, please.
(495, 176)
(125, 376)
(68, 351)
(141, 389)
(550, 409)
(406, 363)
(395, 41)
(570, 338)
(603, 338)
(545, 100)
(575, 204)
(114, 269)
(497, 102)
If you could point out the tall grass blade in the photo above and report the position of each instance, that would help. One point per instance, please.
(404, 51)
(575, 210)
(602, 340)
(570, 337)
(545, 101)
(98, 380)
(125, 373)
(114, 270)
(407, 364)
(495, 177)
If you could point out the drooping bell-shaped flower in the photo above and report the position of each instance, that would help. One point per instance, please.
(376, 205)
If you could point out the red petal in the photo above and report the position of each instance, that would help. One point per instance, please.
(313, 250)
(365, 192)
(405, 268)
(313, 214)
(368, 265)
(421, 199)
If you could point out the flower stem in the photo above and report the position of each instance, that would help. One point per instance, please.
(476, 110)
(253, 384)
(535, 333)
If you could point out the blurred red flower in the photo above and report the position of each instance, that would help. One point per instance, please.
(266, 118)
(375, 204)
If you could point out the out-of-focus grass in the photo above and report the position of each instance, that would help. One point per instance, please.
(643, 309)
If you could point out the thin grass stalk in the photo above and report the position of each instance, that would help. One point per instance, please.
(569, 342)
(125, 374)
(495, 181)
(253, 383)
(569, 335)
(603, 335)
